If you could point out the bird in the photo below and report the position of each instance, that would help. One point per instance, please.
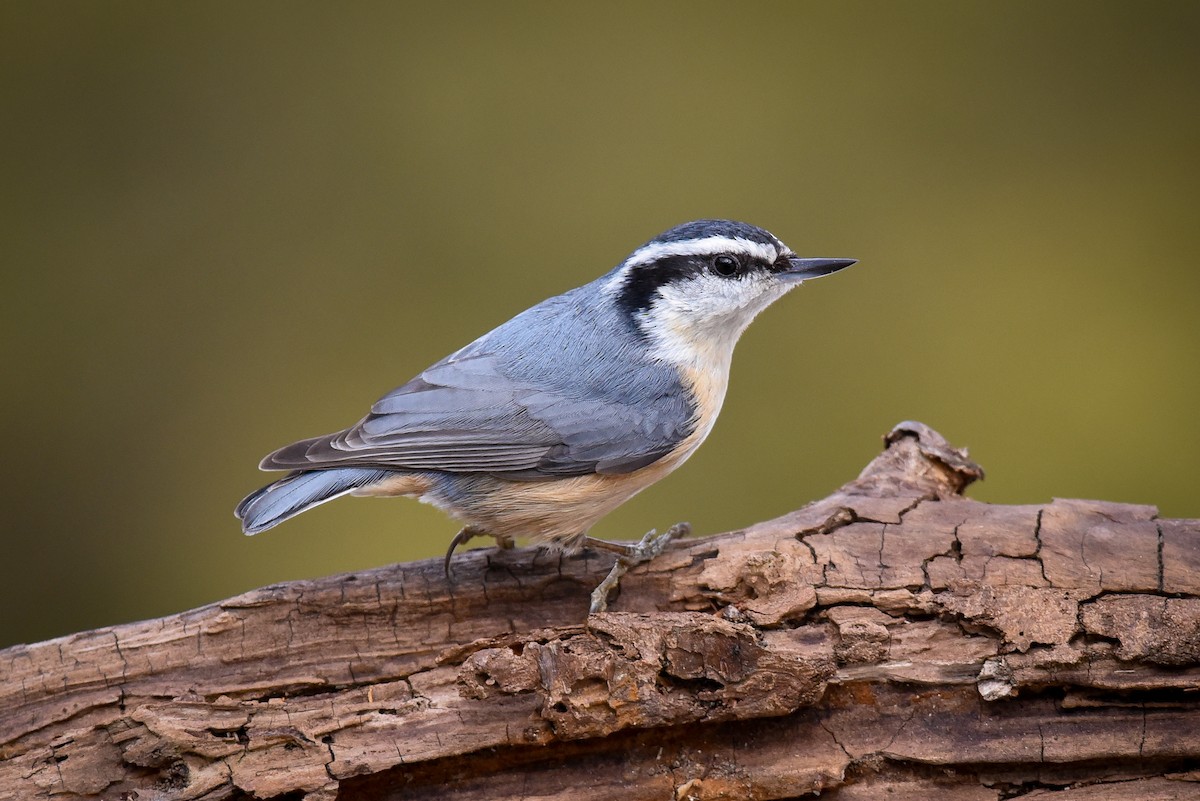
(545, 424)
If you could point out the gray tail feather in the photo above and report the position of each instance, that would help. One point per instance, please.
(290, 496)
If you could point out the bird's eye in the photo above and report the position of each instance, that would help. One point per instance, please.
(726, 265)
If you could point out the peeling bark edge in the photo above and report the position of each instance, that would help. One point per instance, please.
(894, 637)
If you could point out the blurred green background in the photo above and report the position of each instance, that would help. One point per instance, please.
(232, 225)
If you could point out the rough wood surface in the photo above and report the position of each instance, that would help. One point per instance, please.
(894, 639)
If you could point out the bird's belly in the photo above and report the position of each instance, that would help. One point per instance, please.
(557, 511)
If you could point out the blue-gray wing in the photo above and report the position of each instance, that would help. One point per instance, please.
(503, 413)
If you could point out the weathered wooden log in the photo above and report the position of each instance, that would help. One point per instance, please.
(894, 638)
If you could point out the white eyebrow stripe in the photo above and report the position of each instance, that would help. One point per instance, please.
(705, 246)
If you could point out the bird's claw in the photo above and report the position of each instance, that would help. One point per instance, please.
(650, 546)
(466, 534)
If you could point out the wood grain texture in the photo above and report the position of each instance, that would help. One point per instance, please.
(895, 639)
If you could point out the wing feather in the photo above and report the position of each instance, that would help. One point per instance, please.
(468, 413)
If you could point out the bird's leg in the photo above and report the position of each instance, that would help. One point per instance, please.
(630, 555)
(468, 533)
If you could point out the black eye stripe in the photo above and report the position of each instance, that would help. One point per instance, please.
(643, 281)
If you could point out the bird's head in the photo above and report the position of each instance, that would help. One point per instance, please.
(692, 290)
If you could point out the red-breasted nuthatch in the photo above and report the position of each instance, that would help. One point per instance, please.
(549, 422)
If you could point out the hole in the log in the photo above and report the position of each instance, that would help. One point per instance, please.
(240, 734)
(175, 777)
(694, 686)
(297, 691)
(1120, 776)
(560, 707)
(1092, 638)
(1140, 698)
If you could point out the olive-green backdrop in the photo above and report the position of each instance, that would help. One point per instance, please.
(228, 225)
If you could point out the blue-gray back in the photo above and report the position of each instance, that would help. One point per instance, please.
(564, 388)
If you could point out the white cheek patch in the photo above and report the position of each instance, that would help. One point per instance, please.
(700, 320)
(708, 296)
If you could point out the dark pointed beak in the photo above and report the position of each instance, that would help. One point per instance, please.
(797, 269)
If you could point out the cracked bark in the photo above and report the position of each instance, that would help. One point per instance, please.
(892, 638)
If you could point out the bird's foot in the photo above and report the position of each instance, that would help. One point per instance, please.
(628, 556)
(465, 535)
